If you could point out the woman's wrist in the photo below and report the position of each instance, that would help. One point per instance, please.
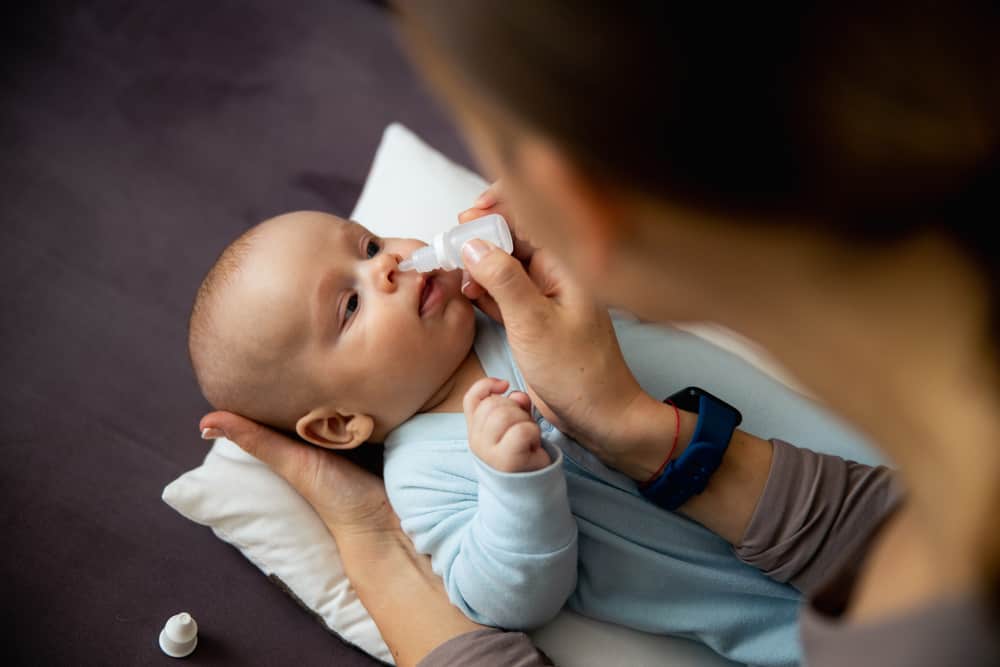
(402, 593)
(643, 436)
(728, 502)
(367, 554)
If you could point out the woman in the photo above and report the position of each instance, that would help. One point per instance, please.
(817, 182)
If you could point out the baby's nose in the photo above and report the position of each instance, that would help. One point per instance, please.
(387, 271)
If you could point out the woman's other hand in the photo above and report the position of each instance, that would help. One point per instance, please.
(397, 585)
(347, 498)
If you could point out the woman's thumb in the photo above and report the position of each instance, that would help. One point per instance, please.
(504, 278)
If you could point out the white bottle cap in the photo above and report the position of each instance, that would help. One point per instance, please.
(179, 636)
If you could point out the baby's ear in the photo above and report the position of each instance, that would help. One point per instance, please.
(333, 429)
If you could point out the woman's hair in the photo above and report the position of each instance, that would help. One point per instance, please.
(875, 120)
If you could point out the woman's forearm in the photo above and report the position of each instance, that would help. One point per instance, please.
(816, 508)
(734, 490)
(401, 592)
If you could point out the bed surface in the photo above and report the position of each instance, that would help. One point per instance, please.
(138, 139)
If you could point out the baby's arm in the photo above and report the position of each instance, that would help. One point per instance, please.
(505, 543)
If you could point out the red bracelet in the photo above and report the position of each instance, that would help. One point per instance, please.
(677, 435)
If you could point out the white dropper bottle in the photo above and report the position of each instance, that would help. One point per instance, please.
(445, 251)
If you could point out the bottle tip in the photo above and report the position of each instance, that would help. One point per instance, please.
(406, 265)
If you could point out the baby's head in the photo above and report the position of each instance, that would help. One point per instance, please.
(305, 323)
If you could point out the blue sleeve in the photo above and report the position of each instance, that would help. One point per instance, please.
(504, 543)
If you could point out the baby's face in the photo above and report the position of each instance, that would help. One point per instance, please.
(327, 297)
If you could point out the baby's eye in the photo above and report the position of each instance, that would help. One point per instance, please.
(352, 306)
(372, 249)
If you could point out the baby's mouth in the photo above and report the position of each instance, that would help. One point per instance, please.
(426, 293)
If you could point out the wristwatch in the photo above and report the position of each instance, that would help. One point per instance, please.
(688, 474)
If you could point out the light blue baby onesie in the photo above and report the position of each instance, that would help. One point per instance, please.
(513, 548)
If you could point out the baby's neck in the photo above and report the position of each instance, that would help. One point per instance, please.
(449, 397)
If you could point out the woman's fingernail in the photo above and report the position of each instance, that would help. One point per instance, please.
(485, 199)
(465, 285)
(211, 433)
(473, 251)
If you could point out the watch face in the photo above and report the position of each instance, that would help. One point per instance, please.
(687, 399)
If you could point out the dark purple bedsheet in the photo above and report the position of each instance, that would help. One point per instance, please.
(136, 139)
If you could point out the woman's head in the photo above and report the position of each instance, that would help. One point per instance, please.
(822, 177)
(869, 122)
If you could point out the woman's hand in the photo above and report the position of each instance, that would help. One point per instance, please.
(397, 585)
(347, 498)
(563, 342)
(489, 202)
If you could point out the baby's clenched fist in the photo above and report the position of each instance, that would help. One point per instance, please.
(501, 430)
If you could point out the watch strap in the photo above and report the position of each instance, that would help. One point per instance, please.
(689, 473)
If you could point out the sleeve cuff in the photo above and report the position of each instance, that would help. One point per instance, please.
(526, 512)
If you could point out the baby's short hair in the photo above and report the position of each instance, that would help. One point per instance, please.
(231, 376)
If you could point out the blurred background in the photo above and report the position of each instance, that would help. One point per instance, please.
(137, 138)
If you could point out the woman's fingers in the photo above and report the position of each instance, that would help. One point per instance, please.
(489, 197)
(523, 249)
(470, 214)
(345, 496)
(515, 295)
(488, 305)
(491, 201)
(470, 288)
(279, 452)
(473, 291)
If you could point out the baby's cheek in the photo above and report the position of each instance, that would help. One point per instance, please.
(462, 322)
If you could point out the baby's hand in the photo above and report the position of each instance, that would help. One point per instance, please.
(501, 430)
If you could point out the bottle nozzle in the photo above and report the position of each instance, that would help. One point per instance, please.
(422, 260)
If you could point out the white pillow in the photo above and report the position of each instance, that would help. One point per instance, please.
(411, 191)
(255, 510)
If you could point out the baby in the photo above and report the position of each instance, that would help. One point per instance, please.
(306, 323)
